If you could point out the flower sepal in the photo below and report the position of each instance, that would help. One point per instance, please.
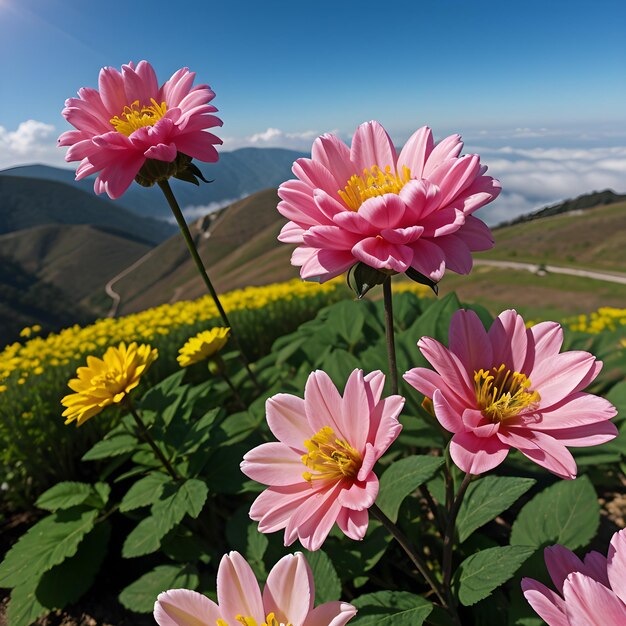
(415, 276)
(361, 278)
(182, 167)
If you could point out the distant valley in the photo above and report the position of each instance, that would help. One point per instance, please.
(60, 245)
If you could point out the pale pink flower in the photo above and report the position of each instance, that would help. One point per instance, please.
(591, 592)
(321, 469)
(287, 599)
(130, 119)
(392, 212)
(510, 388)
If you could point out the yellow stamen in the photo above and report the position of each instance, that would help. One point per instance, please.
(501, 394)
(330, 457)
(270, 620)
(374, 182)
(135, 117)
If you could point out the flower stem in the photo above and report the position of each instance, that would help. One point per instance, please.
(404, 542)
(448, 539)
(221, 369)
(182, 224)
(147, 437)
(391, 345)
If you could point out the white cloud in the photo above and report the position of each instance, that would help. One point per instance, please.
(536, 177)
(193, 212)
(273, 138)
(31, 142)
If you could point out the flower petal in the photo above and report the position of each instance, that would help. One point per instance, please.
(183, 607)
(476, 455)
(238, 591)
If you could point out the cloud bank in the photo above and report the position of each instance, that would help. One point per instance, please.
(537, 167)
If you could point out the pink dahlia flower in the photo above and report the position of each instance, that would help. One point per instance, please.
(392, 212)
(287, 599)
(320, 470)
(591, 592)
(130, 120)
(510, 388)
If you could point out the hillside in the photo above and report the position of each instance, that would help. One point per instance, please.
(237, 174)
(238, 246)
(25, 300)
(27, 202)
(78, 259)
(590, 238)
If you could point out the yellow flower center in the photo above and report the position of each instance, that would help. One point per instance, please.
(373, 182)
(501, 393)
(135, 117)
(330, 457)
(113, 381)
(270, 620)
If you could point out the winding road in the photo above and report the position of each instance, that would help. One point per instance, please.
(537, 268)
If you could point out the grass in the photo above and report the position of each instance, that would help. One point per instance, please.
(535, 297)
(591, 239)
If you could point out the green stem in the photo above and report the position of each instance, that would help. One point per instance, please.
(404, 542)
(391, 346)
(448, 540)
(150, 441)
(221, 368)
(182, 224)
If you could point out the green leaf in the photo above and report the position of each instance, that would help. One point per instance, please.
(180, 499)
(143, 539)
(64, 495)
(348, 319)
(402, 478)
(486, 498)
(24, 608)
(339, 364)
(567, 513)
(46, 544)
(145, 491)
(327, 583)
(65, 583)
(481, 573)
(391, 608)
(140, 595)
(113, 446)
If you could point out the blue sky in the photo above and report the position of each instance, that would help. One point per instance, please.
(522, 75)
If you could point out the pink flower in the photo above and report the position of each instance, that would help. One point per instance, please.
(510, 388)
(320, 470)
(592, 592)
(131, 119)
(286, 600)
(392, 212)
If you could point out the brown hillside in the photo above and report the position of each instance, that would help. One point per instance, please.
(238, 246)
(78, 259)
(591, 238)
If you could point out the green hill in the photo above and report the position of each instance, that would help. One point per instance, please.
(78, 259)
(591, 238)
(237, 244)
(27, 202)
(25, 300)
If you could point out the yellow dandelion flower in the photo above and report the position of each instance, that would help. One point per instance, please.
(3, 388)
(106, 381)
(203, 345)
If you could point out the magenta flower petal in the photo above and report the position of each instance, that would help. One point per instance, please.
(476, 455)
(328, 446)
(398, 208)
(288, 598)
(289, 590)
(616, 564)
(183, 607)
(589, 603)
(330, 614)
(509, 387)
(547, 604)
(238, 591)
(130, 120)
(592, 590)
